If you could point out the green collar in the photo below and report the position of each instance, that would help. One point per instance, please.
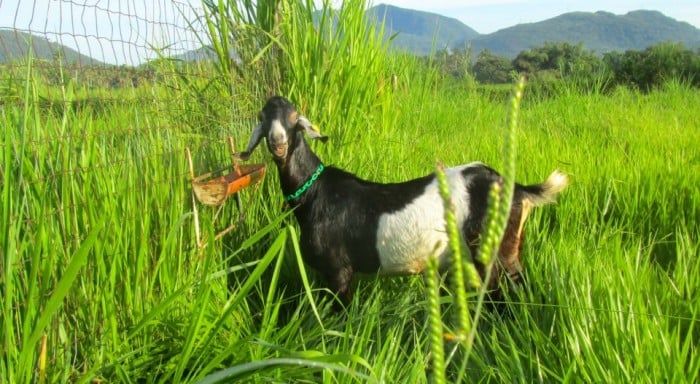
(306, 185)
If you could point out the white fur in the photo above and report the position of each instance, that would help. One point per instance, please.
(406, 238)
(277, 132)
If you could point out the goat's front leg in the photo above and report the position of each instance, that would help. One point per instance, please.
(339, 282)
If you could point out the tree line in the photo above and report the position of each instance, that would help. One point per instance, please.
(553, 62)
(545, 66)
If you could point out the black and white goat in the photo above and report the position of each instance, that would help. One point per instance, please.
(352, 225)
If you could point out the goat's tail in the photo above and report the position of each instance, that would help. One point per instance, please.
(544, 193)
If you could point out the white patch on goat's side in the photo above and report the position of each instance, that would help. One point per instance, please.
(406, 238)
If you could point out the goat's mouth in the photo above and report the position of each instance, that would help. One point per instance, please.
(279, 151)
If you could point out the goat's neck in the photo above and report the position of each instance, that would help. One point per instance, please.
(298, 168)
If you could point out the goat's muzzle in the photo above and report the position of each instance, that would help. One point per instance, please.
(279, 151)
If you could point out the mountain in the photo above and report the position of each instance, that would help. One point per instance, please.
(15, 46)
(203, 54)
(417, 30)
(600, 31)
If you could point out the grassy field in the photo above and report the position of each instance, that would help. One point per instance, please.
(102, 280)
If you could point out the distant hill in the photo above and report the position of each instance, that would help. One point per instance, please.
(600, 31)
(202, 54)
(418, 32)
(417, 29)
(14, 45)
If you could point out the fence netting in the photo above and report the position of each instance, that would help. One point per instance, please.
(98, 32)
(99, 47)
(121, 73)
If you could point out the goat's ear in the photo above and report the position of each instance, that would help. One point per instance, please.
(311, 131)
(254, 141)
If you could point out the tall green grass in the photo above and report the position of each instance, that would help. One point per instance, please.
(102, 279)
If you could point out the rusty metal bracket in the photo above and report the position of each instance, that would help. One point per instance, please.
(214, 188)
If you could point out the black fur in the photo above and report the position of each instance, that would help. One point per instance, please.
(339, 216)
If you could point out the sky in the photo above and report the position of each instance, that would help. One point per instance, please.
(126, 31)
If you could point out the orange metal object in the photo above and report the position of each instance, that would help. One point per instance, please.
(215, 191)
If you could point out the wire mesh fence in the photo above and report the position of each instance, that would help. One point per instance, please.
(100, 47)
(122, 74)
(94, 32)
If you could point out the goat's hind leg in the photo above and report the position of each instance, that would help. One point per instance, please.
(511, 246)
